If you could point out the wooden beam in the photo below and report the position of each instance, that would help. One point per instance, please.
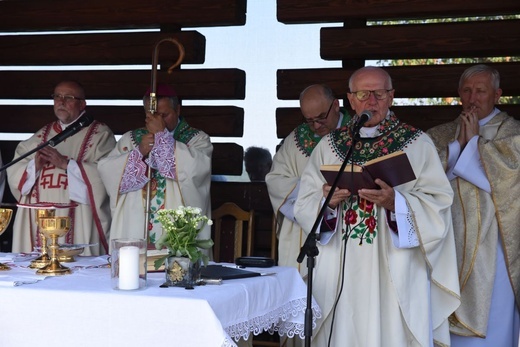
(421, 81)
(443, 40)
(34, 15)
(100, 49)
(221, 121)
(423, 117)
(316, 11)
(227, 157)
(247, 195)
(126, 84)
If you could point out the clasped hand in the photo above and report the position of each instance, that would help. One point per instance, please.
(469, 126)
(154, 123)
(52, 156)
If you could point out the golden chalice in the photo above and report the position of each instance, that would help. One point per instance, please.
(44, 258)
(54, 227)
(5, 218)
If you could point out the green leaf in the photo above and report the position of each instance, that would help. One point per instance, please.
(204, 244)
(158, 262)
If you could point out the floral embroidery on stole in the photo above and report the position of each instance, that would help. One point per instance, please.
(359, 215)
(183, 133)
(305, 138)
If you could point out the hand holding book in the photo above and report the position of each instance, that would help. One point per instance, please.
(394, 169)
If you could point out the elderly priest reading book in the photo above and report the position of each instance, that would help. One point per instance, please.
(386, 272)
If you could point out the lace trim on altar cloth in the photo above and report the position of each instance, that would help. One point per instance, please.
(276, 321)
(228, 343)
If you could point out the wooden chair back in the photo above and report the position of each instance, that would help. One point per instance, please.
(230, 210)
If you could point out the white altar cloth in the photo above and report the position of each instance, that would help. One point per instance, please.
(82, 309)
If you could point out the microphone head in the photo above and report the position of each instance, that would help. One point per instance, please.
(365, 114)
(362, 118)
(85, 120)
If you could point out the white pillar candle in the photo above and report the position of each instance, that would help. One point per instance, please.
(129, 267)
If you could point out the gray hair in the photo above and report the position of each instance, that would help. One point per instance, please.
(480, 69)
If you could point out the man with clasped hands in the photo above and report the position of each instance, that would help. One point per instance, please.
(480, 151)
(386, 271)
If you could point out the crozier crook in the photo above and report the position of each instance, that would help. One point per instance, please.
(152, 106)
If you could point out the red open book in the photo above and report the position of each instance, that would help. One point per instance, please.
(394, 169)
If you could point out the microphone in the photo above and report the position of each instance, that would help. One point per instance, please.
(362, 119)
(83, 121)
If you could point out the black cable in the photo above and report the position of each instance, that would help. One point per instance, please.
(348, 231)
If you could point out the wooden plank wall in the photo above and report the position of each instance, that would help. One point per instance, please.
(39, 36)
(353, 42)
(359, 38)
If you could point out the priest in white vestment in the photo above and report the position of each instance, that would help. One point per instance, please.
(322, 114)
(386, 270)
(180, 158)
(63, 174)
(480, 151)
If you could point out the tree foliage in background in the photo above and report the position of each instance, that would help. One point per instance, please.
(447, 61)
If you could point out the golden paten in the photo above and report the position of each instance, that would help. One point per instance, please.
(66, 253)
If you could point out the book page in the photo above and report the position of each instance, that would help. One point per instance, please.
(384, 157)
(336, 168)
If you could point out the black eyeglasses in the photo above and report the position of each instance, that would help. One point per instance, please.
(321, 119)
(379, 94)
(65, 98)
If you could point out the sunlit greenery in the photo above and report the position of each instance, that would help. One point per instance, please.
(446, 61)
(444, 20)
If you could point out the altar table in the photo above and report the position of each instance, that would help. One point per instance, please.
(81, 309)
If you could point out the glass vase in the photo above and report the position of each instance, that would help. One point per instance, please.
(182, 272)
(128, 264)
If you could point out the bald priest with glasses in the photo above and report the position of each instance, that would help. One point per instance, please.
(321, 115)
(386, 273)
(64, 173)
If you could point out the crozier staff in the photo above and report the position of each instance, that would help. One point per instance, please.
(180, 158)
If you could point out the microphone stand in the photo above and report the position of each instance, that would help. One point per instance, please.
(310, 249)
(53, 142)
(45, 144)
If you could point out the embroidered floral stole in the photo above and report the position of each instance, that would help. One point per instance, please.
(359, 215)
(306, 139)
(183, 133)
